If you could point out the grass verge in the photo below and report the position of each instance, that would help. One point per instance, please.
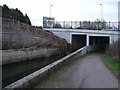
(112, 64)
(54, 77)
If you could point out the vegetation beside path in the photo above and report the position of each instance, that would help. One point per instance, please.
(112, 57)
(111, 64)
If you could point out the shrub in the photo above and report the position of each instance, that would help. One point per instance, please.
(114, 50)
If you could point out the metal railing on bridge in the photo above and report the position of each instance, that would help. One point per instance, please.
(97, 25)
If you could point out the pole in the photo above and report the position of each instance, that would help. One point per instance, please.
(50, 10)
(101, 12)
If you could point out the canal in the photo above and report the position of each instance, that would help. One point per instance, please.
(16, 71)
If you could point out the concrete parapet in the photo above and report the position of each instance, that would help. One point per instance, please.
(41, 74)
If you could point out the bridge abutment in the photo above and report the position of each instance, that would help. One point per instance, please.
(67, 34)
(87, 40)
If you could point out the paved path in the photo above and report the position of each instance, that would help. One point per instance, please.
(90, 72)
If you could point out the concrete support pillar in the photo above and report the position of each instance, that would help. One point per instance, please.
(110, 39)
(87, 41)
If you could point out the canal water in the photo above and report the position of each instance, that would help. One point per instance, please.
(16, 71)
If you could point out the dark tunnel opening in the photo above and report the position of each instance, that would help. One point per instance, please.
(101, 41)
(78, 41)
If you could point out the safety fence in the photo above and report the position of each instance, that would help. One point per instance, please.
(16, 34)
(97, 25)
(16, 25)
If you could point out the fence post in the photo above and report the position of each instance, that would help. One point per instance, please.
(13, 24)
(18, 25)
(80, 24)
(35, 29)
(91, 25)
(109, 24)
(27, 26)
(64, 24)
(71, 24)
(118, 25)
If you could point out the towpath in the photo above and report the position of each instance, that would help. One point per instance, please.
(89, 72)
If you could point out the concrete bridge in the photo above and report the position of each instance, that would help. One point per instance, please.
(82, 37)
(89, 40)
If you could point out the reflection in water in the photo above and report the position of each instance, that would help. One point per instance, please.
(15, 71)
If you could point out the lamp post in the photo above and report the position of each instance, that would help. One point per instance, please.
(50, 9)
(101, 12)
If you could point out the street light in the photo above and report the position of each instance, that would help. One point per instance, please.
(50, 9)
(101, 12)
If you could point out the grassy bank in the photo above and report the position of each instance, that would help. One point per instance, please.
(111, 63)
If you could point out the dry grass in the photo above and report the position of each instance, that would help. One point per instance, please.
(114, 50)
(26, 36)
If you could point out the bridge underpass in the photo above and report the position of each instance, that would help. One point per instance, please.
(90, 34)
(80, 40)
(100, 41)
(82, 37)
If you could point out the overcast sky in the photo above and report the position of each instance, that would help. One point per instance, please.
(66, 10)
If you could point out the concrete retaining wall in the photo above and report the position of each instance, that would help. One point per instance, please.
(12, 56)
(41, 74)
